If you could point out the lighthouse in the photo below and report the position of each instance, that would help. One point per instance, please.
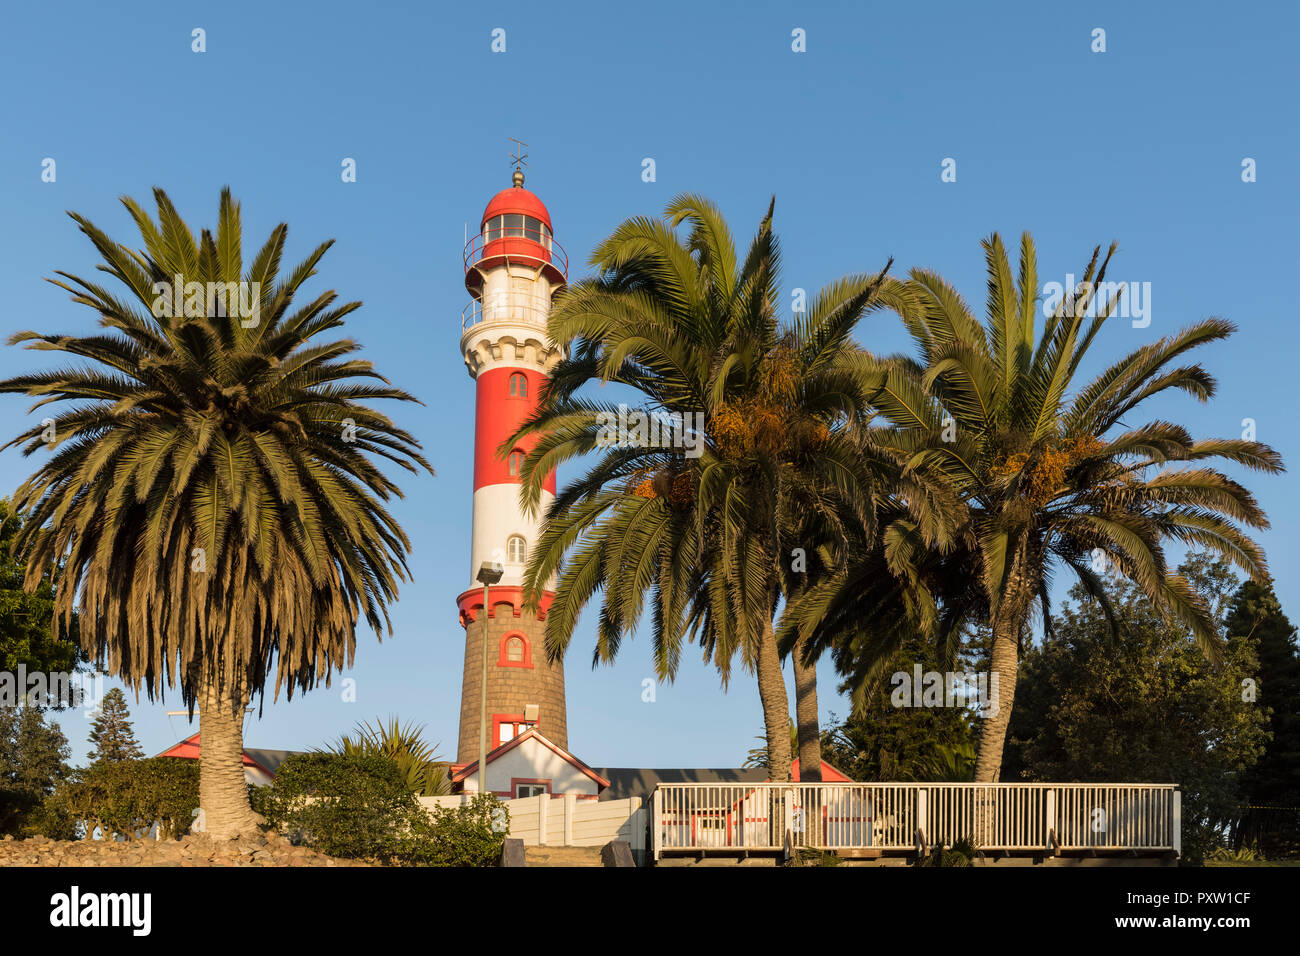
(513, 269)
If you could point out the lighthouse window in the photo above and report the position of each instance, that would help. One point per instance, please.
(516, 549)
(518, 386)
(515, 649)
(517, 225)
(515, 460)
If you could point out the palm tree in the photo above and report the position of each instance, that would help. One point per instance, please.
(699, 524)
(424, 772)
(1050, 474)
(757, 758)
(210, 488)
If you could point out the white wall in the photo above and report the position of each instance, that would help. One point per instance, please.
(569, 821)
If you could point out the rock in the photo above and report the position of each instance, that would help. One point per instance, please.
(617, 853)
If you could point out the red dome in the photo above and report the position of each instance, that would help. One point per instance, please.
(517, 200)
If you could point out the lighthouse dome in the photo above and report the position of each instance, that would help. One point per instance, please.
(516, 201)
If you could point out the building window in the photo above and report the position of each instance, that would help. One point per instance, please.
(530, 789)
(514, 651)
(518, 385)
(516, 549)
(506, 727)
(516, 461)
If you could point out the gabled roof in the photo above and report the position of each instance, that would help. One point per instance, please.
(267, 761)
(461, 772)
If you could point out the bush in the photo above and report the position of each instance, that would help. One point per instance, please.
(349, 806)
(961, 853)
(125, 798)
(18, 806)
(359, 807)
(461, 836)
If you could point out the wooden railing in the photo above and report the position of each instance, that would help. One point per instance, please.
(912, 817)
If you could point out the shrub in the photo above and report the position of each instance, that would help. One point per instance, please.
(349, 805)
(461, 836)
(423, 771)
(17, 807)
(961, 853)
(124, 798)
(359, 807)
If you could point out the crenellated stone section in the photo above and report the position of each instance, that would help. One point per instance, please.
(492, 344)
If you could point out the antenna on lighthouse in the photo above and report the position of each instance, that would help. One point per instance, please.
(519, 159)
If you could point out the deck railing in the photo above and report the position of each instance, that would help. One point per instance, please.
(911, 817)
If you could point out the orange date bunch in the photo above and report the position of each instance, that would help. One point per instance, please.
(1042, 475)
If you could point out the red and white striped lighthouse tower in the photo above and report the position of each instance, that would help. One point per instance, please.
(513, 268)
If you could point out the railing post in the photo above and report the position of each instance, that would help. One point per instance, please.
(922, 821)
(656, 828)
(1177, 822)
(787, 809)
(1049, 820)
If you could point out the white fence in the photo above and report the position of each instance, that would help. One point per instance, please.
(1013, 817)
(566, 820)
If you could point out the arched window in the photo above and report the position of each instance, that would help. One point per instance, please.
(518, 385)
(516, 461)
(514, 652)
(516, 549)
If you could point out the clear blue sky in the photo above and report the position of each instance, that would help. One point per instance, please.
(1142, 143)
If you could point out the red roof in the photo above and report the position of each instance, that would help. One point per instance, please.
(188, 749)
(516, 199)
(829, 773)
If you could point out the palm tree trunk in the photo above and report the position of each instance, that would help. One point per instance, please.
(776, 705)
(805, 709)
(1005, 663)
(223, 793)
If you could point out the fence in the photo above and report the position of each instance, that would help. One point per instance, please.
(1011, 817)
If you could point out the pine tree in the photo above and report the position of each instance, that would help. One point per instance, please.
(1269, 820)
(111, 732)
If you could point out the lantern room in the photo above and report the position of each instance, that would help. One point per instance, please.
(515, 232)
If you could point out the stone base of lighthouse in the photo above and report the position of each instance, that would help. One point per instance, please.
(518, 673)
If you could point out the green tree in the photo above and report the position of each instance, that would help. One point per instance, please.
(1052, 474)
(882, 742)
(26, 635)
(1141, 704)
(33, 760)
(705, 538)
(111, 734)
(1270, 790)
(210, 487)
